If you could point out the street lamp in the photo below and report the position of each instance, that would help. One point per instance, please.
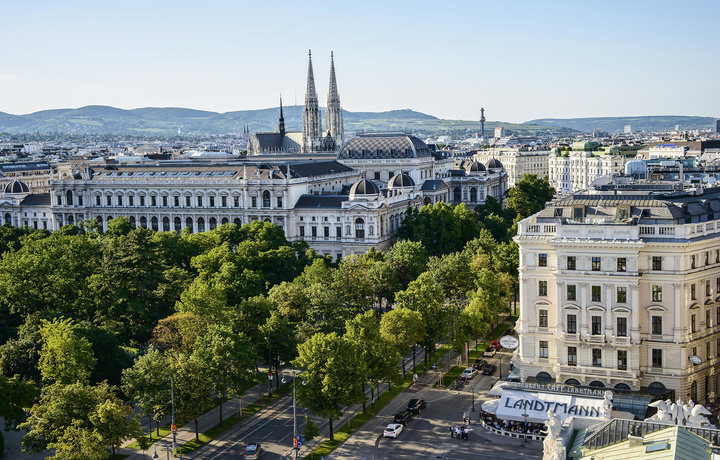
(473, 396)
(296, 446)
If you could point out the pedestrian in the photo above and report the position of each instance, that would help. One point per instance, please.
(465, 416)
(452, 431)
(415, 379)
(466, 433)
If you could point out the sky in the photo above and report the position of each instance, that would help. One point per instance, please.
(520, 60)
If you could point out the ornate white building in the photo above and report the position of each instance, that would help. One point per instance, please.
(517, 162)
(569, 171)
(620, 288)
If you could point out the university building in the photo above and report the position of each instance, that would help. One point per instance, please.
(620, 289)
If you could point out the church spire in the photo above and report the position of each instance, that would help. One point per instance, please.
(334, 117)
(312, 125)
(281, 123)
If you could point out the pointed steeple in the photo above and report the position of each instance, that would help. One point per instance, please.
(312, 125)
(334, 117)
(281, 123)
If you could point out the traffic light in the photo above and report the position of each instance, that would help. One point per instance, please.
(295, 442)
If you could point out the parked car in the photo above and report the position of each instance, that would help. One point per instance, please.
(392, 430)
(489, 352)
(416, 405)
(403, 417)
(509, 331)
(479, 364)
(469, 373)
(495, 344)
(253, 451)
(489, 369)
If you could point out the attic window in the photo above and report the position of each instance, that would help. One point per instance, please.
(623, 212)
(645, 213)
(558, 212)
(578, 212)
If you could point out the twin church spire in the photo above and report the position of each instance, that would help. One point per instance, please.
(314, 140)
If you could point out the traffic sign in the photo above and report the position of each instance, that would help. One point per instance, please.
(174, 428)
(295, 442)
(299, 438)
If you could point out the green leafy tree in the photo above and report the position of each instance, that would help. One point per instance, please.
(178, 333)
(65, 356)
(114, 422)
(408, 258)
(402, 328)
(193, 389)
(280, 344)
(147, 383)
(441, 228)
(229, 359)
(15, 394)
(311, 431)
(529, 196)
(330, 362)
(78, 442)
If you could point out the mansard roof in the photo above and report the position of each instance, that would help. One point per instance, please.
(385, 145)
(321, 201)
(41, 199)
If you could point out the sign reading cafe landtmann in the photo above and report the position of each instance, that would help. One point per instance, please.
(556, 388)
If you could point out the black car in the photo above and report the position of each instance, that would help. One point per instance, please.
(489, 369)
(479, 364)
(403, 417)
(509, 331)
(416, 405)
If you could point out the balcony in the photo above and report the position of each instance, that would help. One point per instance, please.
(621, 341)
(571, 337)
(595, 338)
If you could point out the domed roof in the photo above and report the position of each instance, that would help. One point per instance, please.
(364, 187)
(384, 145)
(17, 186)
(401, 180)
(475, 166)
(494, 163)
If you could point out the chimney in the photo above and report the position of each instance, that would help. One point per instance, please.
(635, 436)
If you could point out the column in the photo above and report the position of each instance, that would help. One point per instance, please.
(678, 306)
(583, 309)
(559, 285)
(635, 320)
(608, 311)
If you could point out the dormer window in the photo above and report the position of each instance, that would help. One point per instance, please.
(623, 212)
(578, 212)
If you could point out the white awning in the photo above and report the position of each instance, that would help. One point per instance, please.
(491, 406)
(533, 406)
(497, 389)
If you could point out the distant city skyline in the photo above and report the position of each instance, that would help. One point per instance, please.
(531, 60)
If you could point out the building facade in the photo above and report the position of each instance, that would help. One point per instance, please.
(570, 171)
(620, 288)
(517, 162)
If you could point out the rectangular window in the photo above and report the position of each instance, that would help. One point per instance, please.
(279, 202)
(543, 349)
(708, 325)
(302, 231)
(109, 200)
(377, 175)
(692, 261)
(338, 232)
(717, 256)
(80, 203)
(212, 201)
(199, 201)
(119, 201)
(596, 323)
(571, 263)
(314, 232)
(142, 200)
(326, 232)
(391, 174)
(657, 263)
(622, 360)
(622, 326)
(254, 202)
(542, 260)
(236, 201)
(223, 201)
(572, 324)
(693, 292)
(656, 357)
(131, 200)
(187, 201)
(717, 316)
(597, 357)
(542, 318)
(176, 201)
(693, 323)
(153, 201)
(657, 293)
(571, 292)
(542, 288)
(621, 264)
(707, 350)
(707, 288)
(596, 264)
(572, 356)
(622, 294)
(98, 203)
(656, 325)
(596, 293)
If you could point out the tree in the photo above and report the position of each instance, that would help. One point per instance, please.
(114, 422)
(330, 362)
(15, 394)
(147, 382)
(402, 328)
(408, 259)
(312, 431)
(441, 228)
(177, 334)
(281, 343)
(229, 359)
(529, 196)
(79, 443)
(193, 389)
(65, 356)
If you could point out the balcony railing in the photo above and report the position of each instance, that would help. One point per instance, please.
(595, 338)
(622, 341)
(572, 337)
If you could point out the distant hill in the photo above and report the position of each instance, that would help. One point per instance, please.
(169, 121)
(615, 124)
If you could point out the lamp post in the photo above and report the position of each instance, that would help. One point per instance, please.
(473, 396)
(296, 446)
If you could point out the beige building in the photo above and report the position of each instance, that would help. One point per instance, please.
(620, 288)
(517, 162)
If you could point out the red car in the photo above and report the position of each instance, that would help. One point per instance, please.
(495, 344)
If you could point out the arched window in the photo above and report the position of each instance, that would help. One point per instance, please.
(543, 377)
(266, 220)
(70, 220)
(178, 224)
(237, 222)
(656, 388)
(8, 218)
(201, 224)
(266, 199)
(154, 223)
(69, 198)
(597, 384)
(573, 382)
(143, 222)
(132, 221)
(166, 224)
(427, 200)
(622, 386)
(473, 194)
(213, 223)
(456, 194)
(189, 224)
(359, 228)
(99, 221)
(224, 221)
